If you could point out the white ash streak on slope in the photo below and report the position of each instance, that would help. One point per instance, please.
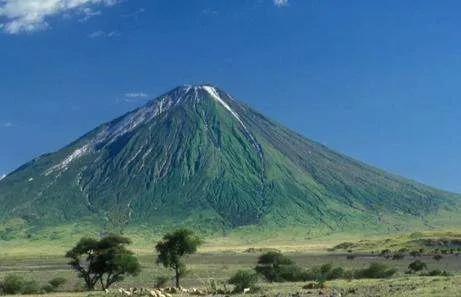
(113, 132)
(215, 95)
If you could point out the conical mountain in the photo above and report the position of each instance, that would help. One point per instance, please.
(197, 157)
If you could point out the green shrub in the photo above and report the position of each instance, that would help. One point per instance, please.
(375, 270)
(15, 284)
(437, 257)
(417, 266)
(161, 281)
(53, 285)
(12, 284)
(30, 287)
(336, 273)
(398, 256)
(348, 275)
(325, 269)
(57, 282)
(385, 252)
(243, 279)
(324, 272)
(48, 288)
(290, 273)
(436, 272)
(276, 267)
(315, 285)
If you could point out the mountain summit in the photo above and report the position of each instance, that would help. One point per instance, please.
(195, 156)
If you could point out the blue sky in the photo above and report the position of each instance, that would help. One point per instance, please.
(376, 80)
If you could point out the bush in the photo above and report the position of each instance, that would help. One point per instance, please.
(398, 256)
(290, 273)
(348, 275)
(385, 252)
(315, 285)
(57, 282)
(325, 269)
(375, 270)
(336, 273)
(48, 288)
(436, 272)
(323, 273)
(54, 284)
(161, 281)
(242, 280)
(293, 273)
(12, 284)
(417, 266)
(437, 257)
(276, 267)
(30, 287)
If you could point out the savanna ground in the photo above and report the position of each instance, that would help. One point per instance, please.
(217, 260)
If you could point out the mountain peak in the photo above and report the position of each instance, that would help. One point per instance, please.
(188, 93)
(198, 86)
(120, 127)
(194, 93)
(195, 156)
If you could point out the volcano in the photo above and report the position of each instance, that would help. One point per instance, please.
(195, 156)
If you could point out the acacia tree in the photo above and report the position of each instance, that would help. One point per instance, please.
(105, 261)
(174, 247)
(270, 265)
(82, 257)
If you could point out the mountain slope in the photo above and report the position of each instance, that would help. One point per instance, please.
(196, 156)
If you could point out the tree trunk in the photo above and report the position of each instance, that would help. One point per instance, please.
(89, 284)
(177, 277)
(102, 284)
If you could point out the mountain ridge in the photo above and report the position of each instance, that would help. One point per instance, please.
(197, 156)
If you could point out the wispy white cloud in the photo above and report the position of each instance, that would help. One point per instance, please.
(280, 3)
(17, 16)
(7, 125)
(103, 34)
(88, 13)
(210, 12)
(136, 95)
(2, 176)
(134, 13)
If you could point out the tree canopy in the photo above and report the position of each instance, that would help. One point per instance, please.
(103, 261)
(172, 249)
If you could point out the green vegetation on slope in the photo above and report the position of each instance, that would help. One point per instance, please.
(197, 158)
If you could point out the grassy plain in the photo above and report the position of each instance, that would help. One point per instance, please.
(399, 287)
(218, 259)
